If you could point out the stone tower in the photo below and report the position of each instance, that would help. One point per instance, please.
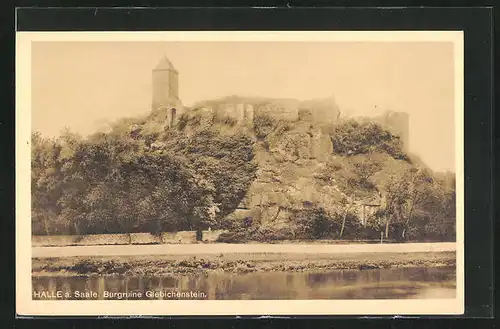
(165, 94)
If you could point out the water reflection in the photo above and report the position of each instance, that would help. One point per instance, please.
(338, 284)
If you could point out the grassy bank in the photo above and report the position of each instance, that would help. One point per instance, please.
(233, 263)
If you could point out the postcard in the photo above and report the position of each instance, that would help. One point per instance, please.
(239, 173)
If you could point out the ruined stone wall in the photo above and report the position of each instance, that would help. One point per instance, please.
(319, 111)
(398, 123)
(165, 96)
(305, 114)
(280, 110)
(169, 113)
(241, 113)
(325, 115)
(249, 113)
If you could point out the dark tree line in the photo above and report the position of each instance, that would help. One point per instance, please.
(136, 181)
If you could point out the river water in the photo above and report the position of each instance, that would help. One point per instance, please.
(401, 283)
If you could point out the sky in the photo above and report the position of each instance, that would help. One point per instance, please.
(83, 85)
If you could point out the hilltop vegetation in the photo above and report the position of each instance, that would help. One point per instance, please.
(275, 180)
(137, 181)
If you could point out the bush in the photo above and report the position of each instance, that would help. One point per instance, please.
(269, 234)
(258, 234)
(314, 223)
(263, 125)
(224, 119)
(352, 137)
(231, 224)
(239, 236)
(85, 266)
(186, 119)
(353, 229)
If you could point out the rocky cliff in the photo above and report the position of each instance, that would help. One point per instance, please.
(293, 153)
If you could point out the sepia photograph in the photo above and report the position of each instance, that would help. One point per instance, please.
(182, 173)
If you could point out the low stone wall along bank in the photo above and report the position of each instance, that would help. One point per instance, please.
(121, 239)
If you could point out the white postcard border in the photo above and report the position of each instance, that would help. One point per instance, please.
(25, 306)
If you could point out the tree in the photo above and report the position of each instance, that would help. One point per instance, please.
(347, 203)
(130, 180)
(225, 162)
(45, 183)
(263, 125)
(440, 209)
(74, 183)
(313, 223)
(407, 193)
(365, 168)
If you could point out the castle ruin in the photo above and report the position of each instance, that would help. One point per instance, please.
(165, 97)
(311, 141)
(165, 93)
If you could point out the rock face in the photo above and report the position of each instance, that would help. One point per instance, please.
(291, 153)
(304, 141)
(288, 163)
(321, 146)
(288, 157)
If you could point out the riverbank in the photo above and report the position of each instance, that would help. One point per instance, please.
(168, 238)
(182, 264)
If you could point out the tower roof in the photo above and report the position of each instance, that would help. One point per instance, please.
(164, 64)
